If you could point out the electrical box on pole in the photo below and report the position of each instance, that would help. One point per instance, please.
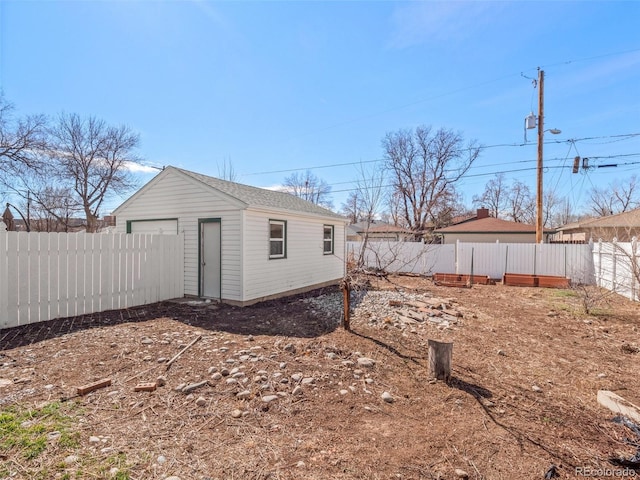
(576, 164)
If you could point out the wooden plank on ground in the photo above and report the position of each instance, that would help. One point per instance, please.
(145, 387)
(90, 387)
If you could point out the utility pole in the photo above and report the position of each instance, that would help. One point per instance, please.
(539, 214)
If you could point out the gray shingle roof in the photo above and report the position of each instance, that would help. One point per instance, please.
(261, 197)
(489, 225)
(619, 220)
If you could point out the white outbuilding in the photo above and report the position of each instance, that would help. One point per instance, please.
(242, 244)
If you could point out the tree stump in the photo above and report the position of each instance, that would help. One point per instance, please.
(440, 354)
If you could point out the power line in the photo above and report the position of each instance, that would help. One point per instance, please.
(516, 170)
(483, 147)
(586, 59)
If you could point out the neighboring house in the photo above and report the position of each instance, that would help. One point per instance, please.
(242, 244)
(484, 228)
(49, 225)
(377, 232)
(622, 226)
(480, 213)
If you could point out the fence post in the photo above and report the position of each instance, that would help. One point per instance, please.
(614, 261)
(346, 304)
(506, 260)
(599, 274)
(634, 269)
(4, 278)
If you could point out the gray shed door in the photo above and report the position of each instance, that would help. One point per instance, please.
(164, 227)
(210, 259)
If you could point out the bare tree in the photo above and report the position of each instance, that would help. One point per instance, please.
(564, 213)
(370, 191)
(550, 206)
(601, 202)
(90, 159)
(394, 201)
(445, 211)
(227, 172)
(309, 187)
(52, 208)
(521, 203)
(424, 167)
(21, 141)
(617, 197)
(352, 208)
(495, 196)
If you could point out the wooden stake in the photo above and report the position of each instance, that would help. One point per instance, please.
(346, 298)
(177, 355)
(440, 354)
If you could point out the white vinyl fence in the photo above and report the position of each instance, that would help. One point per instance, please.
(617, 267)
(491, 259)
(52, 275)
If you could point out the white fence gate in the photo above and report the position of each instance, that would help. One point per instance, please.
(491, 259)
(51, 275)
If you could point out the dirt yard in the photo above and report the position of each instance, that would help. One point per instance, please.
(279, 391)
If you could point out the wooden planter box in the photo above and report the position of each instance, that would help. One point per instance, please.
(525, 280)
(453, 279)
(519, 280)
(550, 281)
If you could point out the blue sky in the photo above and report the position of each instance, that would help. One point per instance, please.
(275, 86)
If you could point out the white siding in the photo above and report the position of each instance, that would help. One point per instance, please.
(175, 196)
(158, 227)
(305, 263)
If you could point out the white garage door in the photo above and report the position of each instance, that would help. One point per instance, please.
(163, 227)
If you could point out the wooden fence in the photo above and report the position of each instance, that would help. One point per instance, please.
(52, 275)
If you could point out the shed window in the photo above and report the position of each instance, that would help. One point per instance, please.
(277, 239)
(328, 240)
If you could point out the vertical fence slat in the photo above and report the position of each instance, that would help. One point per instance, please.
(96, 292)
(33, 254)
(44, 259)
(64, 290)
(122, 270)
(54, 275)
(23, 277)
(154, 269)
(81, 275)
(13, 287)
(106, 268)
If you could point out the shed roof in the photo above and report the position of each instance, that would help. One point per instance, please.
(375, 227)
(254, 196)
(488, 225)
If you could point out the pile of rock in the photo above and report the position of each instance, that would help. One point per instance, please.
(402, 310)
